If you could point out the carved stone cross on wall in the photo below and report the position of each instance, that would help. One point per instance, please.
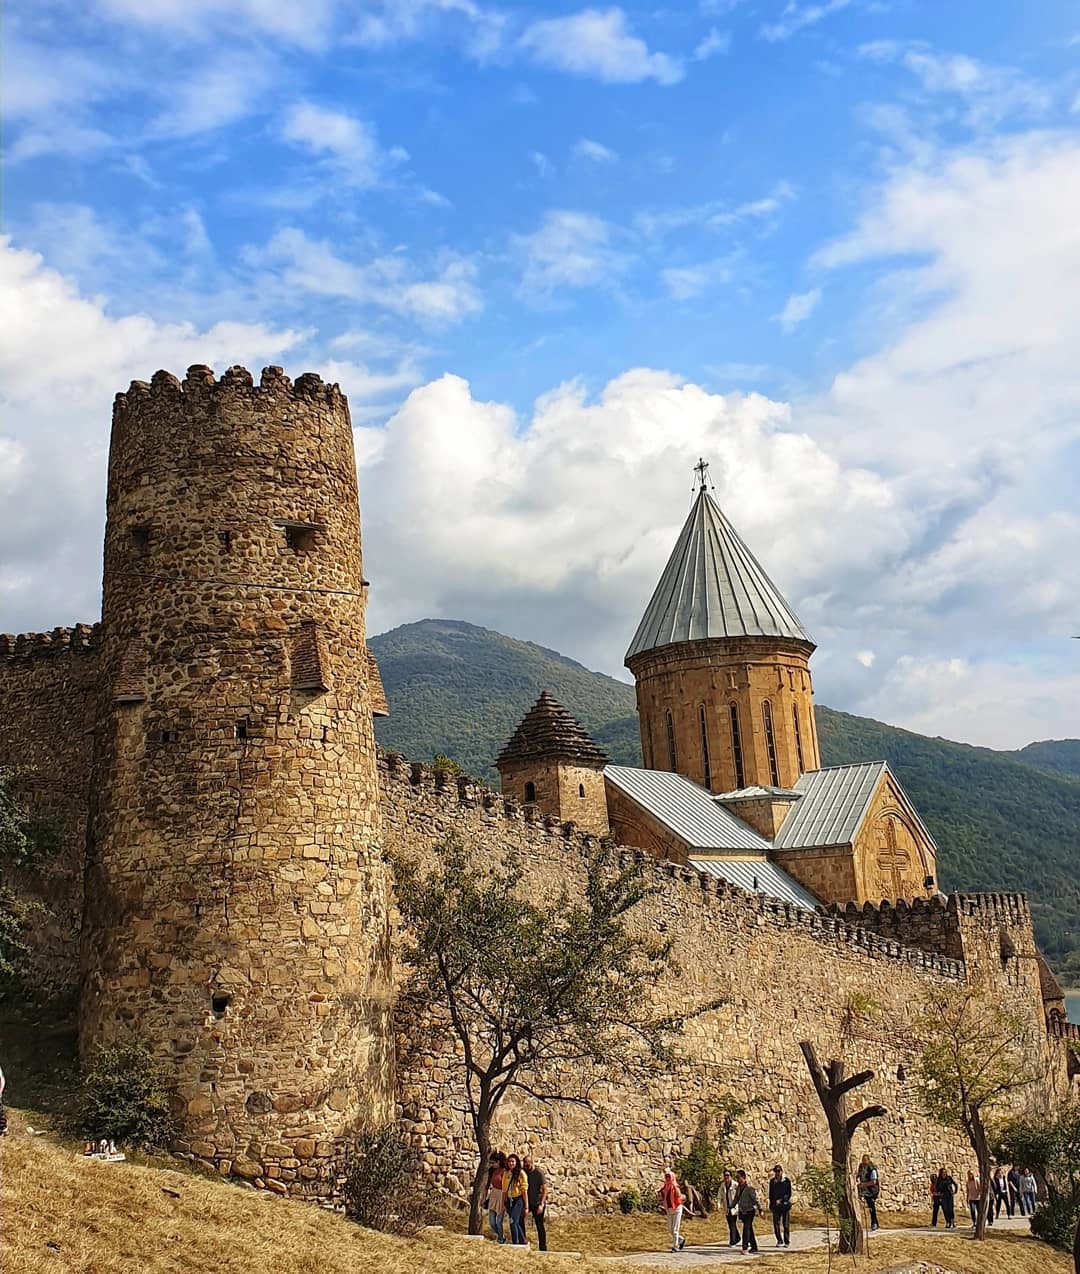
(893, 861)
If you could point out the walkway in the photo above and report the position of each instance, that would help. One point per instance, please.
(802, 1240)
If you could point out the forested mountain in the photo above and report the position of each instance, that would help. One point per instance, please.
(1003, 820)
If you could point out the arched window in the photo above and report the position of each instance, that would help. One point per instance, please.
(672, 759)
(770, 743)
(530, 793)
(798, 737)
(581, 790)
(736, 747)
(705, 748)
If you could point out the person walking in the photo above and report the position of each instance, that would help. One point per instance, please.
(1028, 1191)
(780, 1206)
(728, 1190)
(1015, 1200)
(974, 1190)
(517, 1191)
(946, 1196)
(672, 1203)
(496, 1194)
(869, 1187)
(537, 1200)
(999, 1187)
(748, 1207)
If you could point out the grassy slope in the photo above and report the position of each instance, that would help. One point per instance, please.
(1001, 822)
(64, 1213)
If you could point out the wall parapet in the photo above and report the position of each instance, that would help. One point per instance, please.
(78, 638)
(445, 790)
(1059, 1029)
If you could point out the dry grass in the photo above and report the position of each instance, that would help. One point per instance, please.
(59, 1212)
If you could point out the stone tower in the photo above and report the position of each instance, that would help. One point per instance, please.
(236, 917)
(721, 665)
(551, 762)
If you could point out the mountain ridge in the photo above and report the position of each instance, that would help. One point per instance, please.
(1003, 820)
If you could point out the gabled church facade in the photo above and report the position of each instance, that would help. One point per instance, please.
(732, 782)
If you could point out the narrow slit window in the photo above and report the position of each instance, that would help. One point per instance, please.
(670, 725)
(736, 747)
(168, 736)
(226, 540)
(705, 747)
(770, 743)
(581, 791)
(530, 793)
(798, 737)
(241, 729)
(139, 538)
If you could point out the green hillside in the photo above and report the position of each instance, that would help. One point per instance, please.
(1060, 755)
(1003, 820)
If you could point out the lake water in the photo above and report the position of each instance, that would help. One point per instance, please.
(1072, 1005)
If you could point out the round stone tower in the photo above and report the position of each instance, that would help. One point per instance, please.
(721, 666)
(237, 918)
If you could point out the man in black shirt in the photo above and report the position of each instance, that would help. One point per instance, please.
(537, 1200)
(780, 1206)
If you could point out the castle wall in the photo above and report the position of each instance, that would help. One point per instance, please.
(236, 916)
(693, 679)
(48, 692)
(786, 974)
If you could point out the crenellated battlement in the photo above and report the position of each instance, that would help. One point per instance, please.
(200, 382)
(79, 638)
(439, 791)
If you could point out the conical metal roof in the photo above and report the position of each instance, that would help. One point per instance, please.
(548, 731)
(713, 586)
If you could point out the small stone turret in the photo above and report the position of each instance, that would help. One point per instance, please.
(551, 763)
(236, 915)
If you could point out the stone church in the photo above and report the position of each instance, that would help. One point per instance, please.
(732, 784)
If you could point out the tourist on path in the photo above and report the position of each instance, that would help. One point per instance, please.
(671, 1202)
(943, 1191)
(496, 1194)
(974, 1190)
(869, 1188)
(780, 1207)
(517, 1191)
(1028, 1190)
(999, 1193)
(1015, 1196)
(537, 1198)
(728, 1191)
(748, 1207)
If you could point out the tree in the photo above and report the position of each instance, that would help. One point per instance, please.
(832, 1088)
(546, 997)
(703, 1166)
(1048, 1144)
(975, 1056)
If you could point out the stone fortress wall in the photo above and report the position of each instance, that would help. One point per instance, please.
(48, 704)
(787, 975)
(214, 740)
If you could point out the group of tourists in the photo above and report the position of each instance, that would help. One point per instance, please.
(1014, 1191)
(516, 1189)
(741, 1205)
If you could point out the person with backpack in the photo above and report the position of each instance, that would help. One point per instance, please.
(869, 1188)
(780, 1206)
(748, 1207)
(671, 1201)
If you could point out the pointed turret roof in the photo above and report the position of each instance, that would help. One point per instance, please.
(548, 730)
(713, 586)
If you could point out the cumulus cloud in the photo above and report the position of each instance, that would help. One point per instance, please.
(599, 44)
(389, 22)
(349, 145)
(711, 44)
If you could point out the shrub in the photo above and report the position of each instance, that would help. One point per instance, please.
(702, 1168)
(1056, 1222)
(125, 1096)
(629, 1200)
(383, 1189)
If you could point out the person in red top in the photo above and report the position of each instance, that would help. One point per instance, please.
(671, 1202)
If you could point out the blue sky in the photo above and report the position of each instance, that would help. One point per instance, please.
(552, 252)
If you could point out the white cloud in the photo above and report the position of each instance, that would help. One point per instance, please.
(686, 281)
(798, 308)
(595, 152)
(711, 44)
(865, 657)
(796, 17)
(348, 144)
(307, 25)
(568, 250)
(218, 93)
(599, 44)
(543, 165)
(388, 22)
(389, 282)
